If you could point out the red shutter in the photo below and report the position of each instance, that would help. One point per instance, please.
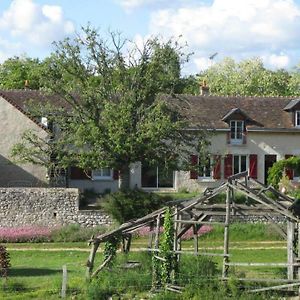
(217, 167)
(79, 174)
(115, 174)
(289, 172)
(194, 162)
(228, 165)
(253, 166)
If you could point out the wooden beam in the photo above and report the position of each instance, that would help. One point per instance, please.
(199, 222)
(277, 287)
(102, 266)
(249, 193)
(91, 259)
(290, 246)
(187, 252)
(250, 264)
(226, 233)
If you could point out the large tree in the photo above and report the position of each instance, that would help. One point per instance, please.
(16, 70)
(246, 78)
(116, 111)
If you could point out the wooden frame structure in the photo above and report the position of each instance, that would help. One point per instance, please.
(267, 203)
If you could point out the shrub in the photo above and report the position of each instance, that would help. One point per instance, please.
(4, 261)
(25, 234)
(75, 233)
(131, 204)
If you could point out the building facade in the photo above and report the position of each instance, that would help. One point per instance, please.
(246, 133)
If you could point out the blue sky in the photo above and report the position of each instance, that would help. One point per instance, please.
(269, 29)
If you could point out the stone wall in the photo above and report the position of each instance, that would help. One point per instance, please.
(45, 207)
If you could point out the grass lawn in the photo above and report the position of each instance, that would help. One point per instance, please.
(36, 271)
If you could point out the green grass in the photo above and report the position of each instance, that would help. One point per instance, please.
(38, 274)
(37, 267)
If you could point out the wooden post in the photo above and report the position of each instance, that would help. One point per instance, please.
(156, 239)
(226, 234)
(176, 224)
(155, 274)
(128, 244)
(290, 244)
(196, 240)
(90, 262)
(298, 227)
(64, 282)
(178, 240)
(151, 236)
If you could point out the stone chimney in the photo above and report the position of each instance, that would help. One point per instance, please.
(204, 88)
(26, 84)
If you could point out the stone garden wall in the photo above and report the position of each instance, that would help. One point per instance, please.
(45, 207)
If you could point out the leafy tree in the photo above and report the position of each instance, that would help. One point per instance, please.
(249, 78)
(14, 71)
(116, 113)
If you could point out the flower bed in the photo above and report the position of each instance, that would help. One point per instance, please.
(145, 231)
(24, 234)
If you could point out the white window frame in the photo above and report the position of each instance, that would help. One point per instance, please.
(235, 140)
(297, 118)
(204, 170)
(240, 163)
(44, 121)
(96, 176)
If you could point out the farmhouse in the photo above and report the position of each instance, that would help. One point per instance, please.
(247, 133)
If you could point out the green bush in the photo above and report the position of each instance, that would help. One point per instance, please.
(76, 233)
(244, 232)
(131, 204)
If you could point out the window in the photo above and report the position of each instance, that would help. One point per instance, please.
(236, 132)
(297, 118)
(205, 168)
(239, 163)
(296, 175)
(100, 174)
(156, 177)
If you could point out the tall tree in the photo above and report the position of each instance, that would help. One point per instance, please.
(117, 114)
(248, 78)
(15, 71)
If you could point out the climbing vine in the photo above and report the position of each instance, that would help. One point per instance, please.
(276, 172)
(166, 248)
(4, 261)
(110, 249)
(164, 268)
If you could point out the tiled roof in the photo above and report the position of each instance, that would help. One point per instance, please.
(20, 97)
(203, 111)
(208, 111)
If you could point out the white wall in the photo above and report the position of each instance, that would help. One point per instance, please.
(260, 143)
(13, 124)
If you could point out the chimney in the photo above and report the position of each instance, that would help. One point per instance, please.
(204, 88)
(26, 84)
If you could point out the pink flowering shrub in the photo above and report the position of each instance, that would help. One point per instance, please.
(24, 234)
(145, 231)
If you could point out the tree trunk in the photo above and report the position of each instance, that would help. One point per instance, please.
(124, 178)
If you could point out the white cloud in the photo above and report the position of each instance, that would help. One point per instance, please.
(53, 13)
(129, 5)
(233, 28)
(33, 24)
(203, 63)
(277, 61)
